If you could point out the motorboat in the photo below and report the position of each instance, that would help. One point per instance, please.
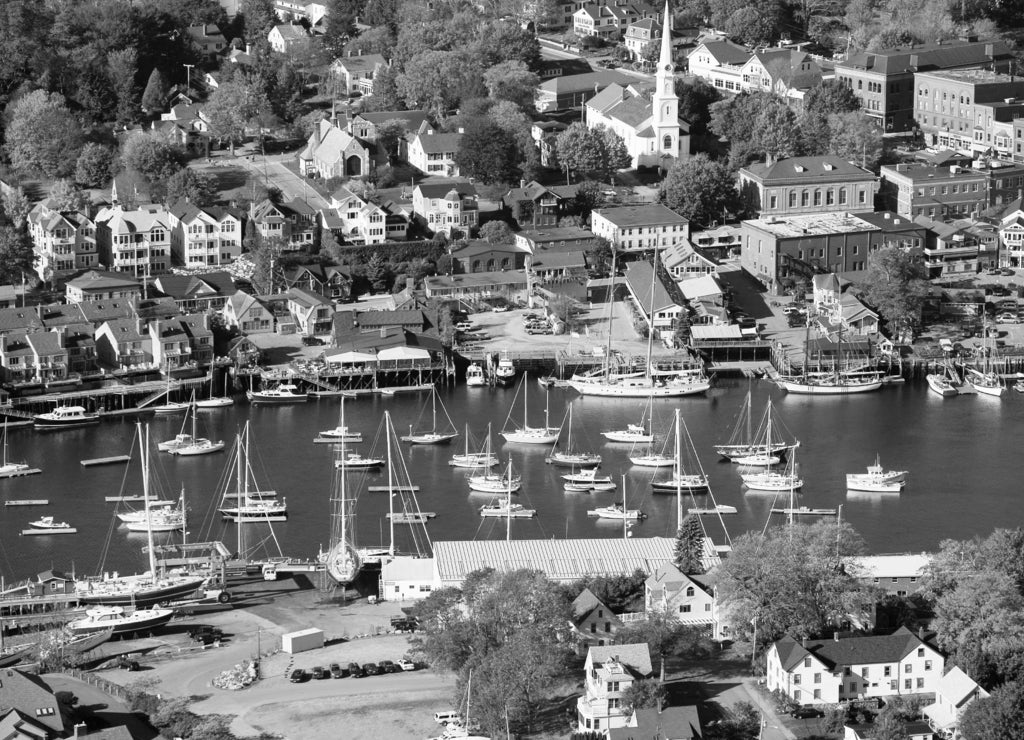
(586, 476)
(505, 372)
(283, 393)
(633, 434)
(119, 621)
(940, 384)
(685, 483)
(507, 510)
(65, 417)
(877, 479)
(354, 460)
(47, 522)
(617, 511)
(262, 510)
(475, 377)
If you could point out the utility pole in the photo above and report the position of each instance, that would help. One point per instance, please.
(188, 76)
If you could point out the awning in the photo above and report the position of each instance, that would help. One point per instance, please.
(350, 358)
(403, 353)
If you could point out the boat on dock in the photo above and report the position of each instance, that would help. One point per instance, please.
(505, 372)
(475, 377)
(617, 511)
(945, 383)
(65, 417)
(118, 621)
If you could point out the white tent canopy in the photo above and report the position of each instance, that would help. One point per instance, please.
(350, 358)
(403, 353)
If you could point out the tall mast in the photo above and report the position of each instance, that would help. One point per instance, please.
(144, 440)
(433, 409)
(624, 528)
(547, 408)
(240, 485)
(525, 405)
(508, 501)
(650, 333)
(391, 491)
(679, 476)
(611, 306)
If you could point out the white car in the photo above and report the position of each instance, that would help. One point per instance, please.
(406, 665)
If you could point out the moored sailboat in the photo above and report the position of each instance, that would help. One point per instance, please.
(526, 434)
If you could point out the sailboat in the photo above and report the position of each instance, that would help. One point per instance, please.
(686, 383)
(242, 507)
(836, 383)
(681, 481)
(486, 481)
(772, 480)
(341, 557)
(164, 519)
(7, 468)
(649, 458)
(985, 381)
(469, 459)
(195, 445)
(216, 402)
(635, 433)
(341, 433)
(432, 437)
(942, 383)
(144, 589)
(505, 508)
(526, 434)
(744, 442)
(169, 406)
(571, 457)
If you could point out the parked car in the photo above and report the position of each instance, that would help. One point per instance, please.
(389, 666)
(539, 330)
(1008, 271)
(1006, 318)
(336, 671)
(319, 672)
(406, 665)
(370, 669)
(197, 633)
(298, 676)
(806, 712)
(354, 670)
(405, 624)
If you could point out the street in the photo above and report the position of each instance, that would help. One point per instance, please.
(271, 171)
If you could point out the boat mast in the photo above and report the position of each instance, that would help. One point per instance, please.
(679, 477)
(650, 333)
(144, 440)
(611, 306)
(547, 409)
(525, 404)
(625, 529)
(508, 501)
(391, 490)
(239, 487)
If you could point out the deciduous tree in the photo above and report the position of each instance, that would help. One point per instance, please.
(260, 17)
(695, 101)
(896, 285)
(488, 153)
(434, 80)
(66, 196)
(496, 232)
(665, 635)
(16, 255)
(512, 81)
(152, 156)
(233, 107)
(997, 717)
(597, 152)
(645, 693)
(339, 24)
(43, 137)
(198, 188)
(776, 134)
(16, 205)
(155, 94)
(855, 137)
(123, 65)
(700, 189)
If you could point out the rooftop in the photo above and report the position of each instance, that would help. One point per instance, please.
(891, 566)
(812, 224)
(807, 169)
(475, 279)
(650, 215)
(638, 277)
(921, 171)
(972, 75)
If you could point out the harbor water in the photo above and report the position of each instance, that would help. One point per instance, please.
(962, 455)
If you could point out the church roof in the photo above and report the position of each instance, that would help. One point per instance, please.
(633, 111)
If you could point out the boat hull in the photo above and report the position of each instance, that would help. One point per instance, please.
(639, 390)
(628, 438)
(754, 483)
(141, 597)
(653, 462)
(197, 449)
(687, 484)
(531, 438)
(428, 439)
(265, 399)
(473, 461)
(159, 618)
(828, 389)
(215, 403)
(84, 421)
(937, 384)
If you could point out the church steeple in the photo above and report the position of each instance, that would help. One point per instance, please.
(665, 103)
(665, 60)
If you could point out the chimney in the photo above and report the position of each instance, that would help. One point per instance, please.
(81, 730)
(990, 50)
(803, 642)
(920, 632)
(462, 130)
(248, 48)
(835, 636)
(887, 215)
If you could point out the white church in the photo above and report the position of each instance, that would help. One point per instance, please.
(648, 122)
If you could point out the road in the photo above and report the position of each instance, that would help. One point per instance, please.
(273, 172)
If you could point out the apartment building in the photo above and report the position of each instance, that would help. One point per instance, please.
(62, 241)
(640, 228)
(928, 190)
(136, 240)
(884, 80)
(958, 109)
(808, 185)
(204, 237)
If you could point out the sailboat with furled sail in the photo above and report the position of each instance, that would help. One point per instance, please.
(746, 441)
(241, 505)
(341, 557)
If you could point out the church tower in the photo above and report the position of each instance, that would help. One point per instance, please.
(664, 103)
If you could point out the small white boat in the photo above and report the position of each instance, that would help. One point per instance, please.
(201, 446)
(772, 481)
(577, 459)
(473, 460)
(65, 417)
(10, 469)
(411, 517)
(586, 476)
(633, 434)
(282, 394)
(602, 487)
(505, 372)
(804, 511)
(713, 511)
(180, 440)
(877, 479)
(1019, 386)
(257, 511)
(171, 407)
(494, 483)
(526, 434)
(218, 402)
(617, 511)
(161, 506)
(341, 433)
(47, 522)
(507, 510)
(652, 460)
(159, 521)
(475, 376)
(757, 460)
(577, 487)
(354, 460)
(115, 618)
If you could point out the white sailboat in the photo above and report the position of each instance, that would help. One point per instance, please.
(341, 433)
(942, 383)
(526, 434)
(506, 508)
(165, 519)
(341, 557)
(832, 384)
(985, 381)
(570, 456)
(772, 480)
(216, 402)
(8, 468)
(744, 441)
(195, 445)
(169, 406)
(681, 482)
(433, 436)
(241, 507)
(487, 481)
(469, 459)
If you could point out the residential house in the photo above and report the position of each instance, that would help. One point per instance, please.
(288, 38)
(299, 10)
(609, 19)
(545, 138)
(331, 281)
(1011, 235)
(99, 286)
(244, 353)
(200, 338)
(610, 670)
(667, 307)
(8, 296)
(720, 63)
(17, 360)
(98, 312)
(846, 668)
(788, 73)
(364, 222)
(684, 261)
(481, 256)
(718, 242)
(123, 344)
(206, 38)
(170, 343)
(62, 242)
(29, 708)
(688, 598)
(413, 320)
(310, 311)
(198, 293)
(533, 204)
(293, 223)
(795, 185)
(363, 125)
(849, 317)
(58, 315)
(640, 34)
(898, 575)
(512, 285)
(247, 314)
(555, 239)
(958, 108)
(883, 79)
(593, 622)
(448, 207)
(433, 153)
(639, 228)
(572, 91)
(136, 241)
(954, 692)
(664, 723)
(950, 248)
(914, 730)
(357, 72)
(19, 320)
(204, 237)
(558, 266)
(826, 291)
(331, 151)
(80, 342)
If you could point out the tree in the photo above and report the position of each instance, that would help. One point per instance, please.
(66, 196)
(122, 65)
(433, 80)
(589, 196)
(689, 551)
(488, 153)
(619, 593)
(512, 81)
(16, 205)
(42, 137)
(95, 165)
(665, 635)
(198, 188)
(776, 134)
(591, 151)
(651, 51)
(855, 138)
(700, 189)
(94, 93)
(378, 272)
(754, 24)
(599, 258)
(996, 717)
(496, 232)
(389, 134)
(385, 91)
(695, 100)
(741, 722)
(152, 156)
(339, 25)
(896, 286)
(797, 579)
(16, 255)
(260, 17)
(155, 94)
(233, 106)
(823, 100)
(504, 42)
(645, 693)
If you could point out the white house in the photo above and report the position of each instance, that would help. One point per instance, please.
(248, 314)
(953, 694)
(845, 668)
(62, 242)
(688, 598)
(610, 670)
(640, 34)
(406, 578)
(720, 63)
(201, 237)
(683, 261)
(311, 311)
(137, 241)
(433, 153)
(288, 37)
(640, 228)
(357, 72)
(363, 221)
(447, 206)
(1011, 235)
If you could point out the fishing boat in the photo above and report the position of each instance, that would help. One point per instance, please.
(65, 417)
(216, 402)
(283, 393)
(475, 377)
(617, 511)
(473, 459)
(506, 510)
(986, 383)
(47, 522)
(191, 445)
(942, 383)
(118, 621)
(433, 436)
(877, 479)
(505, 372)
(681, 481)
(10, 469)
(828, 384)
(354, 460)
(341, 433)
(745, 442)
(526, 434)
(571, 457)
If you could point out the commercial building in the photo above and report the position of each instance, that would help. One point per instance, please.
(884, 80)
(808, 185)
(950, 248)
(572, 91)
(957, 108)
(928, 190)
(640, 228)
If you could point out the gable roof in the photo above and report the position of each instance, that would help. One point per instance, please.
(586, 81)
(99, 311)
(412, 118)
(45, 343)
(669, 723)
(948, 54)
(360, 63)
(847, 651)
(15, 318)
(436, 189)
(376, 319)
(439, 143)
(31, 697)
(184, 286)
(306, 298)
(123, 330)
(291, 32)
(636, 656)
(725, 52)
(585, 603)
(99, 280)
(955, 686)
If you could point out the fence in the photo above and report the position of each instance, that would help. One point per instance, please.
(102, 684)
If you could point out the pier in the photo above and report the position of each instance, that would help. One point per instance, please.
(113, 460)
(20, 473)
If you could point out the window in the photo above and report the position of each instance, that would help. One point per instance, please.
(908, 684)
(613, 703)
(817, 678)
(689, 590)
(927, 665)
(862, 196)
(773, 202)
(607, 626)
(804, 198)
(830, 197)
(842, 196)
(887, 671)
(920, 683)
(707, 607)
(908, 667)
(807, 662)
(593, 628)
(865, 673)
(684, 609)
(792, 199)
(817, 694)
(796, 679)
(613, 686)
(817, 197)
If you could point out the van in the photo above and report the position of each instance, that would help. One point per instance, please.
(449, 715)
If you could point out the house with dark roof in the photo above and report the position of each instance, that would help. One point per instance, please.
(1011, 234)
(720, 63)
(572, 91)
(248, 314)
(796, 185)
(80, 342)
(19, 319)
(413, 320)
(688, 598)
(610, 671)
(49, 357)
(610, 18)
(448, 207)
(357, 72)
(555, 264)
(788, 73)
(288, 37)
(363, 125)
(668, 303)
(170, 343)
(29, 707)
(311, 311)
(206, 38)
(534, 205)
(17, 360)
(433, 152)
(204, 237)
(196, 293)
(481, 256)
(845, 668)
(97, 285)
(509, 284)
(123, 344)
(329, 281)
(666, 723)
(331, 151)
(294, 222)
(96, 312)
(200, 338)
(593, 622)
(557, 238)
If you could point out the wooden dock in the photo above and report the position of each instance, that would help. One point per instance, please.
(45, 531)
(113, 460)
(27, 502)
(20, 473)
(395, 489)
(336, 441)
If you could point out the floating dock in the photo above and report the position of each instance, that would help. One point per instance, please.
(47, 530)
(27, 502)
(403, 518)
(336, 441)
(114, 460)
(20, 473)
(805, 511)
(395, 489)
(721, 509)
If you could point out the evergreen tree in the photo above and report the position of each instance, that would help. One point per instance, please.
(155, 94)
(689, 551)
